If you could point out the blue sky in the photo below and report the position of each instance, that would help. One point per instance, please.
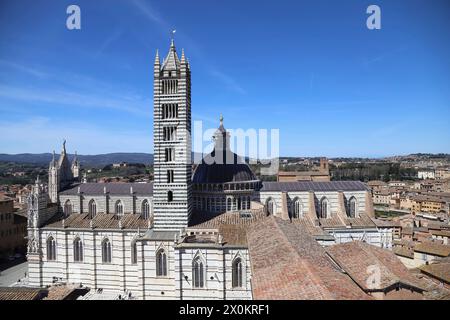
(309, 68)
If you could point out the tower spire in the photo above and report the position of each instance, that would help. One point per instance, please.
(157, 57)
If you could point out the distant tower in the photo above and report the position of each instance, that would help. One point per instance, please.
(172, 141)
(75, 168)
(53, 180)
(324, 165)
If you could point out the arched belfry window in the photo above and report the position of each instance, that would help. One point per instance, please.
(145, 209)
(198, 273)
(270, 206)
(119, 208)
(161, 263)
(352, 205)
(51, 249)
(67, 208)
(92, 208)
(77, 250)
(324, 208)
(106, 251)
(236, 273)
(297, 209)
(169, 196)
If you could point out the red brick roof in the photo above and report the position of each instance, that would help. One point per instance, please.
(359, 259)
(287, 263)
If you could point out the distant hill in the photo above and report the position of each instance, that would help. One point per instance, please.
(85, 160)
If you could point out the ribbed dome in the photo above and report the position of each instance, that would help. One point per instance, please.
(210, 171)
(226, 166)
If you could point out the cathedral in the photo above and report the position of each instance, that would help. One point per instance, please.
(186, 234)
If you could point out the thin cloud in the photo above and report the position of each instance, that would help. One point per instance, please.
(83, 137)
(22, 68)
(155, 17)
(67, 97)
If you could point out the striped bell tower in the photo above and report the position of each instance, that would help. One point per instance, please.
(172, 142)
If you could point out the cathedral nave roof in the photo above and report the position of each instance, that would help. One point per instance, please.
(121, 188)
(314, 186)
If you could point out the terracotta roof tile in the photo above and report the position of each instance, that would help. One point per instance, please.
(357, 257)
(275, 246)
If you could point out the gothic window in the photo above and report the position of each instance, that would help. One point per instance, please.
(297, 208)
(161, 263)
(106, 251)
(119, 208)
(77, 250)
(198, 280)
(169, 133)
(170, 111)
(170, 154)
(170, 176)
(145, 210)
(133, 252)
(324, 208)
(169, 196)
(270, 207)
(169, 86)
(236, 273)
(51, 249)
(352, 207)
(67, 208)
(92, 208)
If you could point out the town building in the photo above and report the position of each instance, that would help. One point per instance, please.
(12, 229)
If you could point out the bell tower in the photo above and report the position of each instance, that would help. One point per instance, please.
(172, 142)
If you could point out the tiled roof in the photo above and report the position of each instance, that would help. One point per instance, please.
(441, 233)
(404, 252)
(59, 292)
(357, 258)
(314, 186)
(100, 221)
(119, 188)
(385, 223)
(20, 293)
(432, 248)
(439, 270)
(287, 263)
(231, 225)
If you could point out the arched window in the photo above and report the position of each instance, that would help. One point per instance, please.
(236, 275)
(229, 204)
(198, 280)
(297, 210)
(51, 249)
(169, 196)
(119, 208)
(133, 252)
(145, 209)
(106, 251)
(67, 208)
(92, 208)
(324, 210)
(270, 207)
(161, 263)
(352, 207)
(77, 250)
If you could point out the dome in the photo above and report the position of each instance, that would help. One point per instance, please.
(222, 165)
(231, 171)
